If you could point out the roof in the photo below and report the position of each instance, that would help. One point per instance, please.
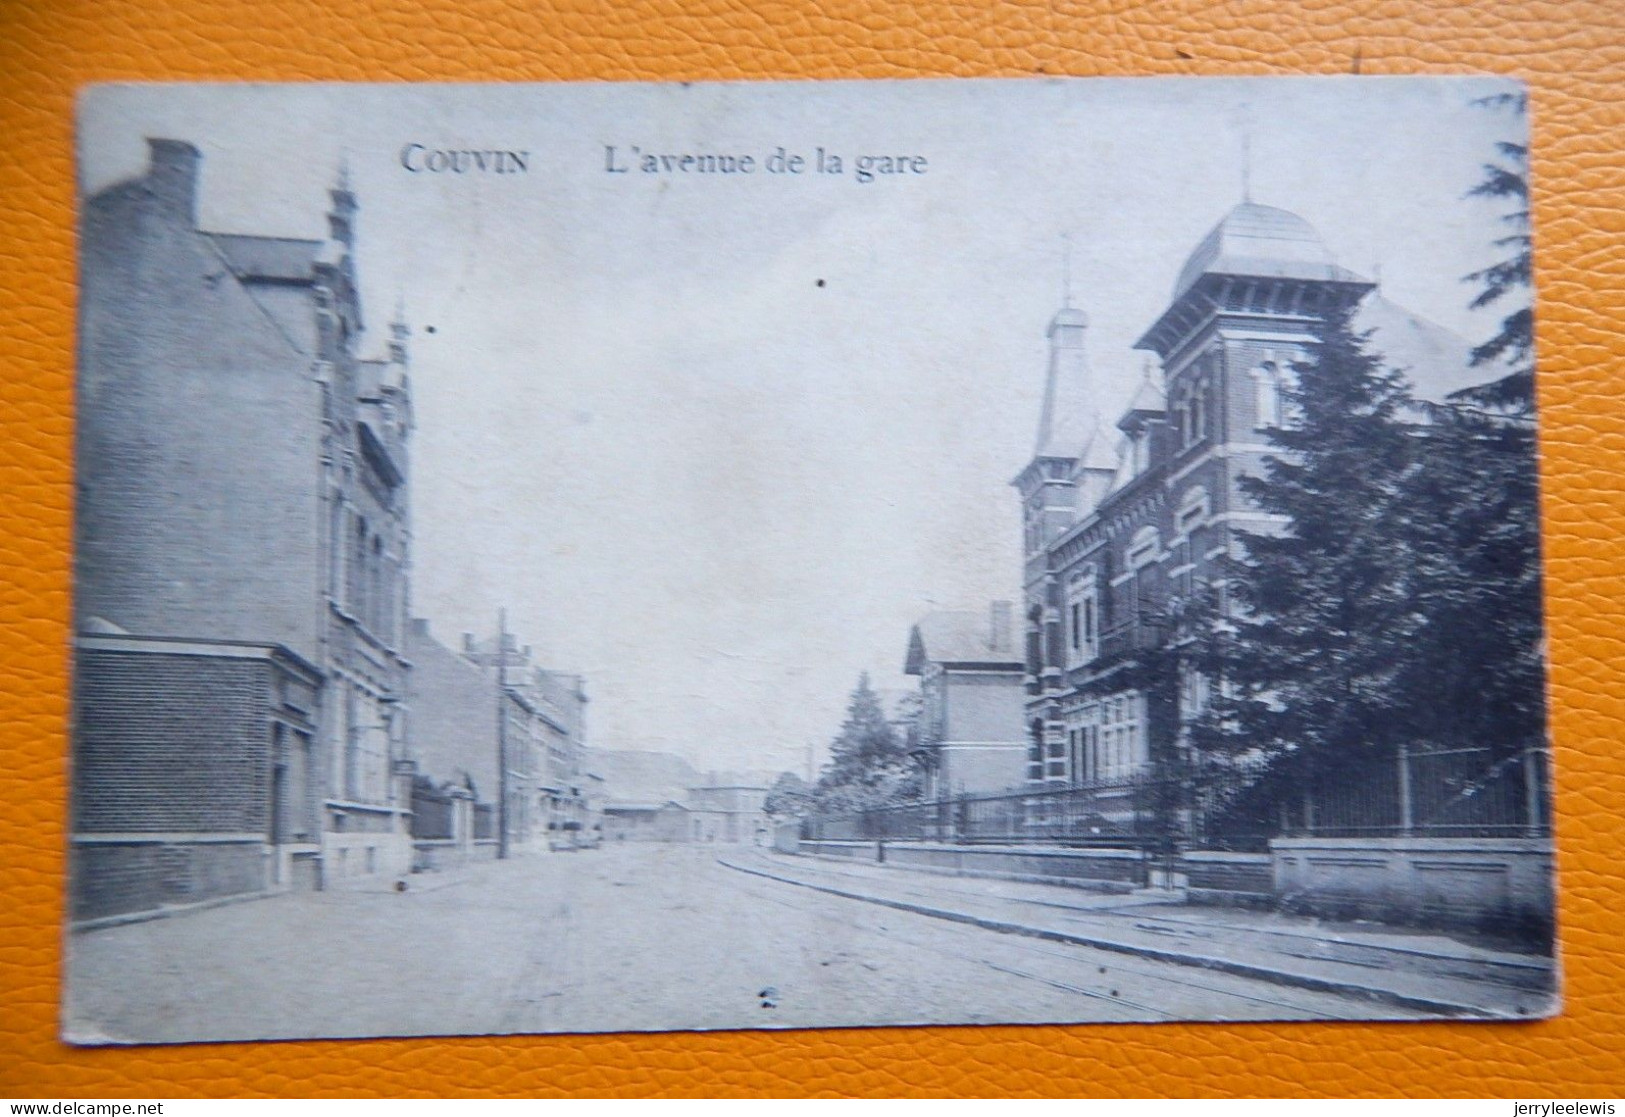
(1101, 451)
(642, 776)
(1264, 242)
(632, 807)
(283, 258)
(757, 779)
(1070, 392)
(957, 637)
(1149, 398)
(1437, 361)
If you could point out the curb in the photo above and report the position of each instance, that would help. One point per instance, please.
(1431, 1005)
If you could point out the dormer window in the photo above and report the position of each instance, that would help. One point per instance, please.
(1140, 450)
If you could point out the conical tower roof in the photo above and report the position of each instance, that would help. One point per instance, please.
(1071, 397)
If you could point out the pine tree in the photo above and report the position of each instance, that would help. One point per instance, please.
(1507, 180)
(1475, 675)
(790, 797)
(1311, 656)
(868, 764)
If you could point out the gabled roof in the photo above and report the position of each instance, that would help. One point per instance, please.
(1100, 451)
(642, 776)
(957, 637)
(1149, 400)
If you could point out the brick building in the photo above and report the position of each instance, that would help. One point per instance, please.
(242, 484)
(969, 737)
(1125, 513)
(730, 807)
(544, 792)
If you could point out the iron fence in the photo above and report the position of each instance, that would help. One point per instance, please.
(1469, 792)
(432, 817)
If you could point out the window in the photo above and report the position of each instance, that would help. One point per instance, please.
(1140, 450)
(1143, 550)
(1273, 382)
(1082, 620)
(1193, 510)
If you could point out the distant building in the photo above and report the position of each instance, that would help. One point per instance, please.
(457, 748)
(969, 737)
(241, 556)
(717, 806)
(633, 821)
(730, 807)
(543, 797)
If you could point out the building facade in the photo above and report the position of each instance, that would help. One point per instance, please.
(544, 785)
(241, 484)
(969, 737)
(730, 807)
(1126, 515)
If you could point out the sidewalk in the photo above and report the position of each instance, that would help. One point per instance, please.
(1429, 972)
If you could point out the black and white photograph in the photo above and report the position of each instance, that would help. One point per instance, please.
(574, 558)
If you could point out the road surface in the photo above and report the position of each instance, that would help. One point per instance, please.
(632, 937)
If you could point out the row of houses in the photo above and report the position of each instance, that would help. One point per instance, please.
(255, 706)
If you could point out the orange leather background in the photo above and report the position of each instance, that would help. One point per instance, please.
(1573, 55)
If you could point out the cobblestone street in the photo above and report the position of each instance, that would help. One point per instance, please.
(626, 938)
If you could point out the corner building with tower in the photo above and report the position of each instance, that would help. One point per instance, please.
(1124, 515)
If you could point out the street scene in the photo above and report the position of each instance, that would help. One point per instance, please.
(544, 946)
(548, 586)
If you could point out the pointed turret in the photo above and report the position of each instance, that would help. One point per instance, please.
(341, 217)
(1070, 395)
(1149, 402)
(1069, 415)
(1097, 466)
(398, 333)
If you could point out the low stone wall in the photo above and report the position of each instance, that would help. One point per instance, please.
(787, 837)
(364, 856)
(847, 850)
(122, 876)
(1502, 885)
(1227, 879)
(1102, 870)
(432, 854)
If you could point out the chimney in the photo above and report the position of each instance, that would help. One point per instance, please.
(468, 643)
(420, 626)
(1000, 616)
(172, 176)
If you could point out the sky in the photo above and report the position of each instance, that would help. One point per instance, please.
(717, 442)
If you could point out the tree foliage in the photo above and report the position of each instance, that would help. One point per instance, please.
(1509, 280)
(869, 764)
(789, 797)
(1399, 600)
(1320, 608)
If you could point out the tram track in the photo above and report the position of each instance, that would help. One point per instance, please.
(1312, 1004)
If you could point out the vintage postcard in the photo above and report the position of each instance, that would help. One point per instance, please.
(579, 558)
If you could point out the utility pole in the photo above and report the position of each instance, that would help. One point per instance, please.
(502, 733)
